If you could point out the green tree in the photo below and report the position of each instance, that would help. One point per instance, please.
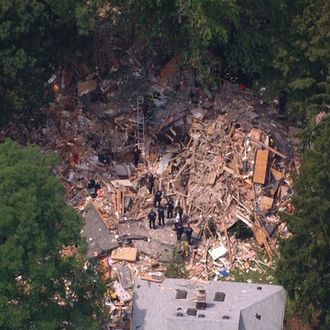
(304, 267)
(303, 59)
(39, 288)
(35, 37)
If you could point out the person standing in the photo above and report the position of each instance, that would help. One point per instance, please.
(151, 183)
(179, 231)
(179, 210)
(170, 208)
(136, 156)
(161, 216)
(189, 232)
(152, 218)
(158, 198)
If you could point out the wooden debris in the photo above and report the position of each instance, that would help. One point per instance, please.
(84, 87)
(269, 148)
(266, 203)
(276, 174)
(153, 278)
(260, 167)
(124, 254)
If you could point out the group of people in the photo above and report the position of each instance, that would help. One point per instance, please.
(182, 232)
(159, 210)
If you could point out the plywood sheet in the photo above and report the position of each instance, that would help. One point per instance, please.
(260, 166)
(124, 254)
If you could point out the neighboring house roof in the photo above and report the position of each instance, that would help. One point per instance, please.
(96, 233)
(245, 306)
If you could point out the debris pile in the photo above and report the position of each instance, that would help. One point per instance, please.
(224, 157)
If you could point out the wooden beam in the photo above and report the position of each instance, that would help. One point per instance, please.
(268, 148)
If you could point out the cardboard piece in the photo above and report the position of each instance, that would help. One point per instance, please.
(124, 254)
(260, 166)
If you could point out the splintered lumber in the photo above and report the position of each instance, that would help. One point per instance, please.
(268, 148)
(124, 254)
(241, 217)
(260, 166)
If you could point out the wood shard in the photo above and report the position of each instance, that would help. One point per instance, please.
(260, 167)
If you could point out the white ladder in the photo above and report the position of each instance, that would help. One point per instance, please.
(140, 130)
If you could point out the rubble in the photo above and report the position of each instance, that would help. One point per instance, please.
(221, 155)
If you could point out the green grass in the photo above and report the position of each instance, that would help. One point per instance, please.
(261, 270)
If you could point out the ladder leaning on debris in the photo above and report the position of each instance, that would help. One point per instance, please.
(139, 134)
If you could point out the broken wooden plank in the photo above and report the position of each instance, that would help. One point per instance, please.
(268, 148)
(152, 278)
(260, 166)
(241, 217)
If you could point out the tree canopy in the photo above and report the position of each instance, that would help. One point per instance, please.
(39, 287)
(35, 37)
(304, 266)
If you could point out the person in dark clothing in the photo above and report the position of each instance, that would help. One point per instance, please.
(158, 198)
(189, 232)
(170, 208)
(152, 218)
(179, 210)
(179, 232)
(136, 156)
(93, 186)
(151, 183)
(161, 216)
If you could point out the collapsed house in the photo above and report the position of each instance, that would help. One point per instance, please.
(189, 304)
(224, 156)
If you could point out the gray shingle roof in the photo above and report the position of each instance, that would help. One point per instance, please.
(245, 306)
(96, 233)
